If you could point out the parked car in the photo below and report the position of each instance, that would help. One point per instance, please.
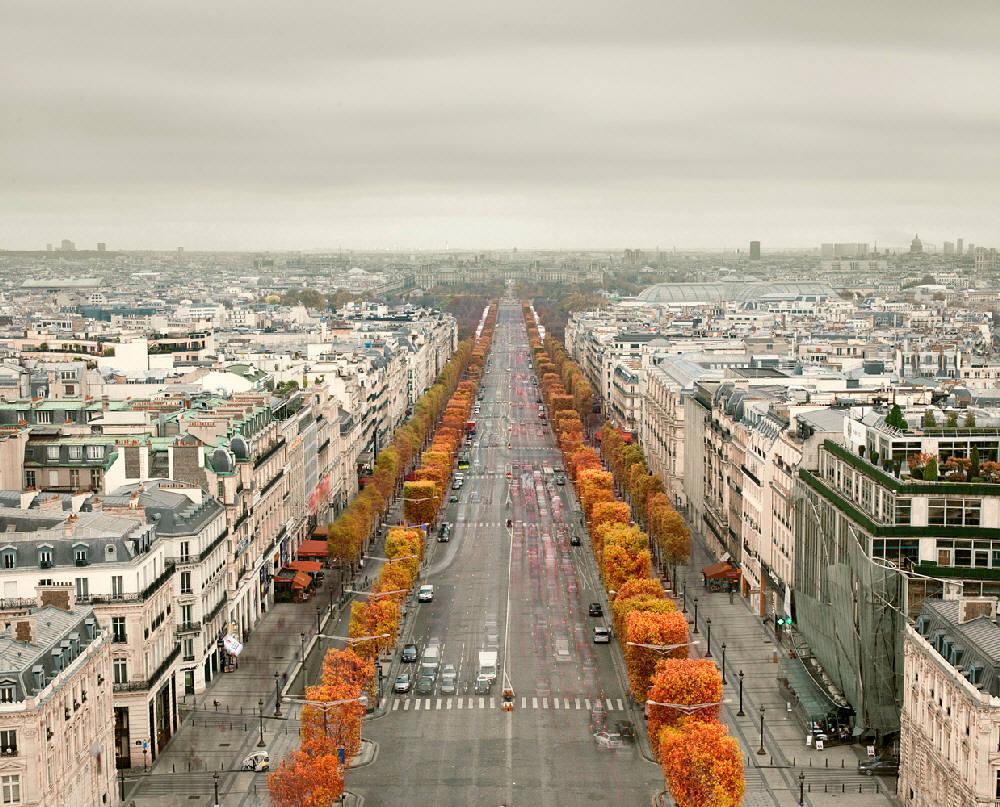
(595, 609)
(425, 594)
(410, 653)
(879, 767)
(402, 683)
(574, 540)
(259, 761)
(602, 635)
(425, 685)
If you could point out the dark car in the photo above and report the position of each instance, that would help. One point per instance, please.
(425, 685)
(444, 533)
(574, 540)
(879, 767)
(410, 653)
(595, 609)
(402, 683)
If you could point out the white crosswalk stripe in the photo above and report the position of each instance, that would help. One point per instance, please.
(528, 702)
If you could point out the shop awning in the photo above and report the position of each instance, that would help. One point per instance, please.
(301, 580)
(313, 549)
(308, 566)
(721, 571)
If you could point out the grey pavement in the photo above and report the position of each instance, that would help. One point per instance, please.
(772, 778)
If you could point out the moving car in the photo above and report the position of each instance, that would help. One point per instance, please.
(453, 498)
(259, 761)
(879, 767)
(602, 635)
(574, 540)
(425, 685)
(425, 594)
(560, 480)
(595, 609)
(444, 533)
(456, 485)
(449, 683)
(483, 684)
(410, 653)
(402, 683)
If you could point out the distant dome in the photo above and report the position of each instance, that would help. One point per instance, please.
(222, 461)
(238, 445)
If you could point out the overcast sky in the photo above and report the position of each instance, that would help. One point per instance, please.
(529, 123)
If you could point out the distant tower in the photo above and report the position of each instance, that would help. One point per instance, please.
(958, 247)
(101, 246)
(915, 246)
(755, 250)
(949, 248)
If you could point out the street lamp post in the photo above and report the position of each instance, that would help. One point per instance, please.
(741, 713)
(215, 782)
(695, 615)
(302, 647)
(318, 613)
(277, 696)
(724, 681)
(260, 706)
(802, 788)
(708, 624)
(684, 599)
(761, 751)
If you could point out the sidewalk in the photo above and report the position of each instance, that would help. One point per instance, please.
(222, 725)
(773, 777)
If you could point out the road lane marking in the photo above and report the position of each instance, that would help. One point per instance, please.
(459, 702)
(524, 702)
(586, 702)
(482, 703)
(555, 703)
(427, 704)
(438, 704)
(395, 704)
(621, 706)
(545, 703)
(534, 703)
(406, 705)
(597, 704)
(577, 703)
(566, 704)
(493, 703)
(472, 703)
(448, 706)
(416, 705)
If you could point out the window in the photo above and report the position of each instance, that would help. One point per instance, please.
(185, 551)
(45, 558)
(95, 452)
(70, 389)
(10, 788)
(29, 479)
(6, 693)
(52, 452)
(189, 649)
(953, 512)
(902, 511)
(185, 582)
(95, 478)
(74, 478)
(53, 479)
(187, 612)
(82, 588)
(118, 629)
(8, 742)
(120, 671)
(75, 452)
(117, 585)
(44, 417)
(9, 559)
(80, 554)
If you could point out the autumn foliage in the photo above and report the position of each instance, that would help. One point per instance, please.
(683, 681)
(306, 780)
(653, 628)
(702, 764)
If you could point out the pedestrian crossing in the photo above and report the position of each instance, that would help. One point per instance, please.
(464, 703)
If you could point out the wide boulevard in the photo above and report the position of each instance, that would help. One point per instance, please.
(523, 592)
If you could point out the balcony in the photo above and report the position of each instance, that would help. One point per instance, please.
(149, 683)
(12, 603)
(8, 751)
(188, 627)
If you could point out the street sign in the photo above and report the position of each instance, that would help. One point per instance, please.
(233, 645)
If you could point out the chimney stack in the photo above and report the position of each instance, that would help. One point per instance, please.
(69, 525)
(23, 630)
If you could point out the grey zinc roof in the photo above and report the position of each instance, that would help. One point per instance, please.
(978, 639)
(730, 291)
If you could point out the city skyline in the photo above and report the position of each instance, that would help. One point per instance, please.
(438, 127)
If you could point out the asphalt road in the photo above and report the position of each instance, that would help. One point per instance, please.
(523, 592)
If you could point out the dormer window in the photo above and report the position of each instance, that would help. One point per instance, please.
(95, 452)
(80, 555)
(8, 558)
(75, 452)
(7, 692)
(45, 558)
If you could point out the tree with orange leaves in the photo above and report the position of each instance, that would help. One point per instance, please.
(375, 617)
(609, 513)
(682, 681)
(394, 577)
(326, 728)
(702, 765)
(420, 502)
(620, 566)
(304, 780)
(621, 607)
(346, 666)
(647, 627)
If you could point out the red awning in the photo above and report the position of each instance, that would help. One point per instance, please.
(313, 549)
(721, 571)
(301, 580)
(305, 566)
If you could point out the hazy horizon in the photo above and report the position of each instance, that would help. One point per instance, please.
(254, 127)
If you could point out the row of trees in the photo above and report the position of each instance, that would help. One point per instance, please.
(423, 490)
(702, 765)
